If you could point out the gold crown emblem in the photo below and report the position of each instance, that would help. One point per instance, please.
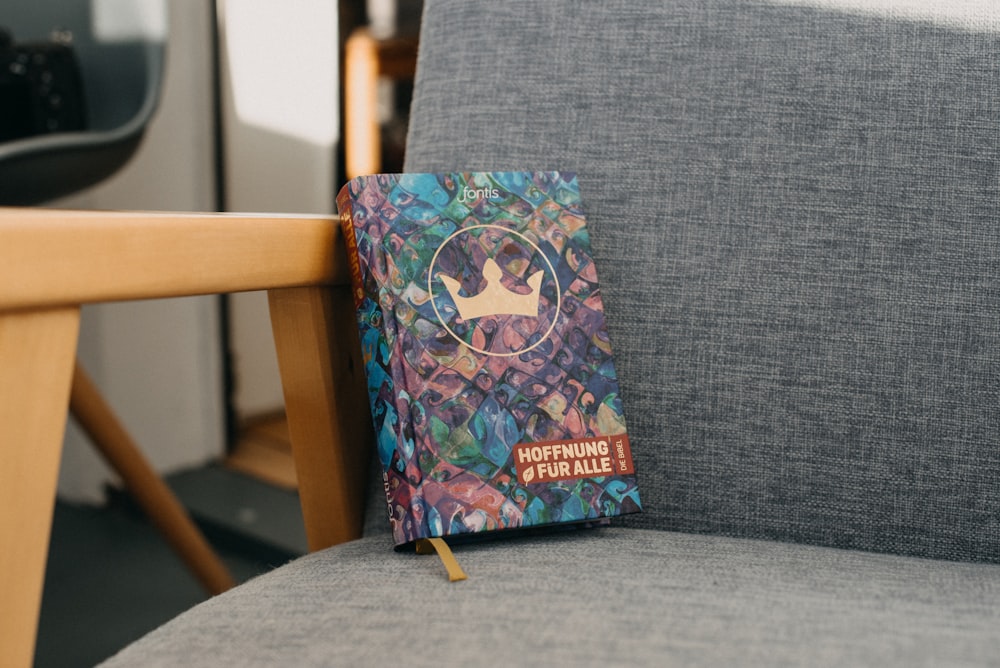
(495, 299)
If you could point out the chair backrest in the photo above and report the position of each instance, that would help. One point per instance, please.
(795, 212)
(121, 49)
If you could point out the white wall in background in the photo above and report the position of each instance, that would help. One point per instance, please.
(159, 363)
(281, 123)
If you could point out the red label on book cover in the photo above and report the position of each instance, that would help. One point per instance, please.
(592, 457)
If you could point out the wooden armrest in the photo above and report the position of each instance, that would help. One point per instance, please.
(55, 258)
(52, 262)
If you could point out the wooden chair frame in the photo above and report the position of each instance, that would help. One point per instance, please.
(366, 59)
(52, 262)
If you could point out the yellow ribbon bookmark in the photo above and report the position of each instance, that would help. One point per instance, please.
(432, 545)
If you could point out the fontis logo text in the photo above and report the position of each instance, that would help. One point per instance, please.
(472, 194)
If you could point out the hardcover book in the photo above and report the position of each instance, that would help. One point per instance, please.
(493, 389)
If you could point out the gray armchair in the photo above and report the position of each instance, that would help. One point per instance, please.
(795, 210)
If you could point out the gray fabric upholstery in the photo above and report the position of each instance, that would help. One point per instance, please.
(604, 597)
(795, 217)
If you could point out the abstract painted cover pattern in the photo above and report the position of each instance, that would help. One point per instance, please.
(493, 389)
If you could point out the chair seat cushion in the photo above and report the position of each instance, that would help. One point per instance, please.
(614, 596)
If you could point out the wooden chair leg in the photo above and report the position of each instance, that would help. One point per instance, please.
(36, 353)
(315, 334)
(111, 439)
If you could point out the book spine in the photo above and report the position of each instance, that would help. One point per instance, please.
(351, 242)
(368, 311)
(380, 344)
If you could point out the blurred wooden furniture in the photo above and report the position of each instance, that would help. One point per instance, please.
(366, 59)
(264, 451)
(52, 262)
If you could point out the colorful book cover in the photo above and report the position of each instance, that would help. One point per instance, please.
(493, 388)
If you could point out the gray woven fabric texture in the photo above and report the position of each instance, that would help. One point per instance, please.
(605, 597)
(795, 217)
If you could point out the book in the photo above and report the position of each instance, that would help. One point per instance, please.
(493, 391)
